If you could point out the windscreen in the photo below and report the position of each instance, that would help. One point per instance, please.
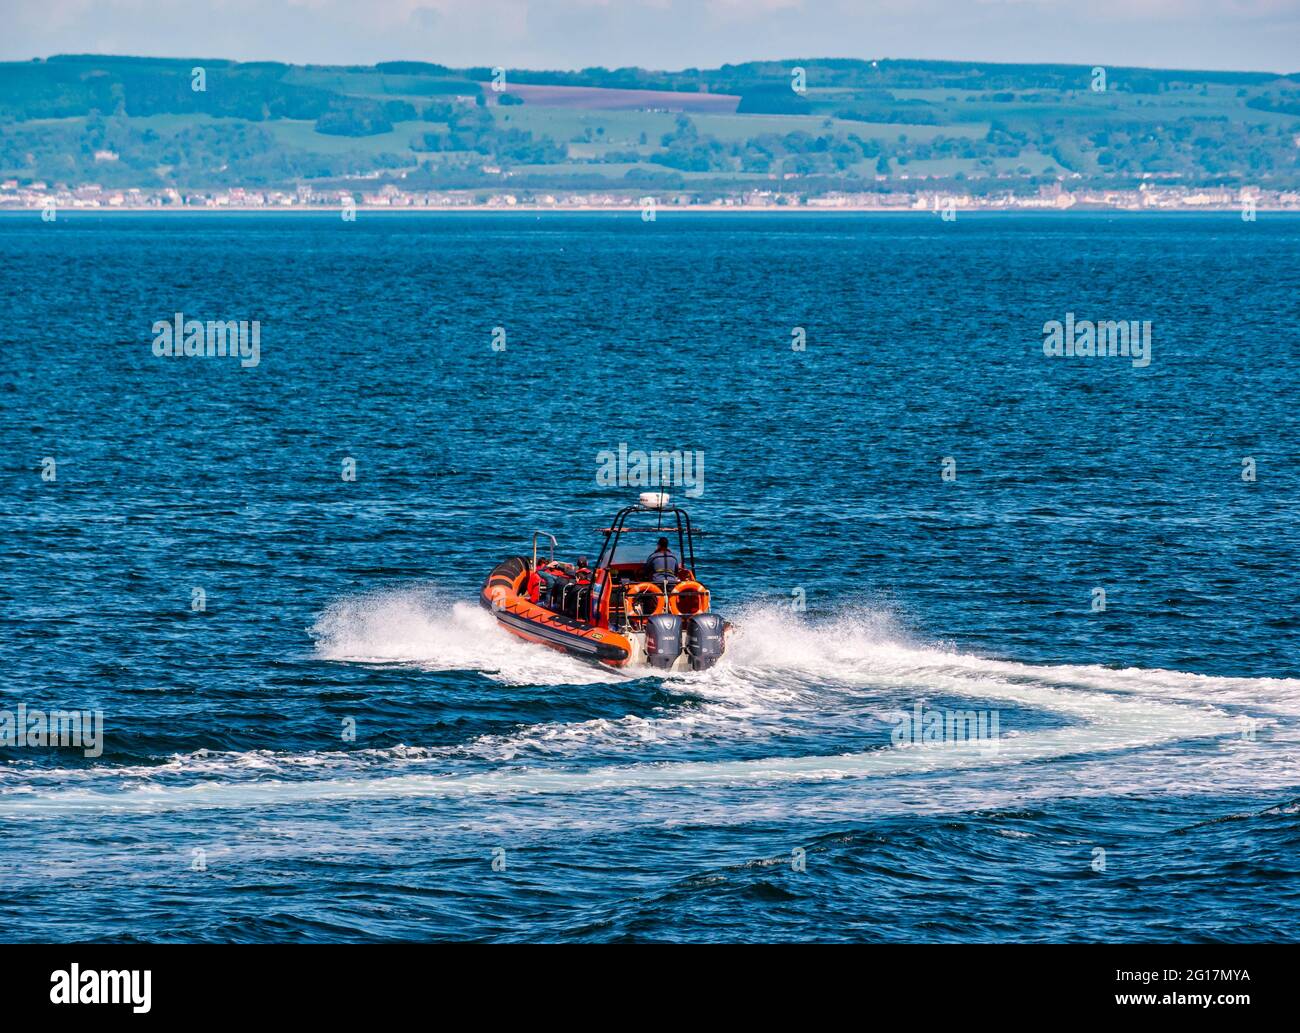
(637, 549)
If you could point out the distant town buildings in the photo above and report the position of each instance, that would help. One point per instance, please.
(1055, 197)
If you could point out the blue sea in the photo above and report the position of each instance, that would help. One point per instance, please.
(264, 579)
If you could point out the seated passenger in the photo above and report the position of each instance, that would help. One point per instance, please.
(662, 565)
(546, 577)
(557, 576)
(580, 597)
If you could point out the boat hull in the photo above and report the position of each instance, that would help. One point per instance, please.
(504, 594)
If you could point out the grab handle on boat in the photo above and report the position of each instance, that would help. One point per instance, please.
(543, 534)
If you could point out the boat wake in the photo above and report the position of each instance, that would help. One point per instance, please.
(426, 629)
(760, 720)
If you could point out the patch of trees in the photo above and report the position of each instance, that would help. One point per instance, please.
(774, 99)
(472, 128)
(913, 112)
(355, 117)
(1286, 104)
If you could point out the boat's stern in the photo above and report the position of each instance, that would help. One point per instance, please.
(673, 642)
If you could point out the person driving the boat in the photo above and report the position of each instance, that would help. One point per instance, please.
(582, 573)
(662, 564)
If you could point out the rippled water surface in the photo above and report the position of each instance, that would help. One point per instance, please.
(1145, 780)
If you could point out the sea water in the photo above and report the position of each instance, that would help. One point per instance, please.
(1015, 649)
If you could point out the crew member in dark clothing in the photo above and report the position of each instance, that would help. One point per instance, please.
(662, 564)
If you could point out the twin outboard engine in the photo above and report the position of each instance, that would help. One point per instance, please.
(663, 640)
(667, 633)
(704, 641)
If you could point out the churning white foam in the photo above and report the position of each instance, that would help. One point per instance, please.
(421, 627)
(782, 676)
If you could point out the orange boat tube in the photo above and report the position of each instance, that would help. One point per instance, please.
(505, 593)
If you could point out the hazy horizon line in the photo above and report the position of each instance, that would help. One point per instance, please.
(650, 68)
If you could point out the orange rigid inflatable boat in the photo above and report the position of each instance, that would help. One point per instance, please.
(620, 612)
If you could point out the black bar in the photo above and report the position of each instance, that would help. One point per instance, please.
(972, 982)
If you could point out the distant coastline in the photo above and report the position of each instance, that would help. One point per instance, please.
(102, 132)
(634, 209)
(39, 197)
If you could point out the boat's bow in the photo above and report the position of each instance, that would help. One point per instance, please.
(505, 594)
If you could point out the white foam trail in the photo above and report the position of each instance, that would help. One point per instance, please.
(417, 626)
(1143, 725)
(781, 676)
(770, 642)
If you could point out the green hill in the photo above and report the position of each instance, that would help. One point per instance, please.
(864, 125)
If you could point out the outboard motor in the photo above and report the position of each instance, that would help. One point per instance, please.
(663, 640)
(704, 641)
